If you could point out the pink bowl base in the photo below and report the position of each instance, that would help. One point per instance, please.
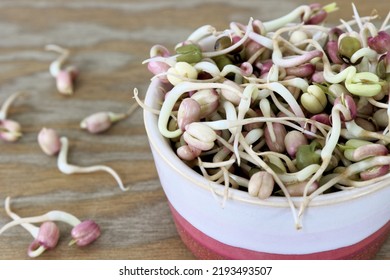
(207, 248)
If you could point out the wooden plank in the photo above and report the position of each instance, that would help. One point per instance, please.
(108, 41)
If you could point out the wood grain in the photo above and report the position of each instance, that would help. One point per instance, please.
(108, 42)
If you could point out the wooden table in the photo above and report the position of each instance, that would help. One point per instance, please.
(108, 41)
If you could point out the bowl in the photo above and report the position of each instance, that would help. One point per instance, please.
(350, 224)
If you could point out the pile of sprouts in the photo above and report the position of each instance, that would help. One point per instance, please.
(289, 107)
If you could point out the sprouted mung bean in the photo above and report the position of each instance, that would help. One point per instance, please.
(49, 141)
(10, 130)
(52, 144)
(47, 235)
(102, 121)
(306, 89)
(64, 76)
(67, 168)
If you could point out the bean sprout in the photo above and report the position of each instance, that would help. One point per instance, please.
(286, 84)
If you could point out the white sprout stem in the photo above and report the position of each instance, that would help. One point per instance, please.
(202, 169)
(279, 105)
(7, 103)
(56, 48)
(231, 114)
(287, 45)
(357, 17)
(300, 83)
(360, 184)
(208, 42)
(253, 135)
(208, 67)
(221, 154)
(143, 105)
(287, 96)
(192, 80)
(170, 60)
(205, 174)
(339, 77)
(262, 40)
(243, 107)
(384, 24)
(290, 17)
(132, 109)
(54, 215)
(240, 180)
(329, 76)
(355, 131)
(307, 27)
(334, 133)
(262, 164)
(250, 138)
(347, 25)
(243, 155)
(353, 21)
(351, 170)
(255, 80)
(226, 189)
(67, 168)
(37, 252)
(231, 69)
(326, 155)
(201, 32)
(273, 74)
(292, 61)
(216, 164)
(364, 52)
(299, 176)
(214, 177)
(234, 46)
(290, 165)
(369, 29)
(33, 230)
(265, 108)
(255, 56)
(229, 124)
(114, 117)
(55, 66)
(237, 28)
(377, 103)
(222, 176)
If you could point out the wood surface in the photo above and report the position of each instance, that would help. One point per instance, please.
(108, 41)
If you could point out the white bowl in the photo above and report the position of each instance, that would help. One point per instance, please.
(349, 224)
